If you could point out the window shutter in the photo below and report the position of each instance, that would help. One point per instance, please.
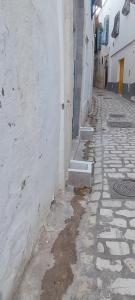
(116, 27)
(105, 35)
(126, 8)
(99, 37)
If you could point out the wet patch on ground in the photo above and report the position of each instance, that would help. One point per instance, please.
(57, 279)
(82, 191)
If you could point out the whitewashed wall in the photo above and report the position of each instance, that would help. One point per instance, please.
(123, 46)
(129, 74)
(31, 69)
(88, 61)
(36, 99)
(127, 32)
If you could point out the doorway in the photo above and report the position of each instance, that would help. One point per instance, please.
(106, 73)
(78, 63)
(121, 75)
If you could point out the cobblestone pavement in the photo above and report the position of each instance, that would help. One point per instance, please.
(106, 242)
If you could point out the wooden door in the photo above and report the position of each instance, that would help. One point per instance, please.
(121, 75)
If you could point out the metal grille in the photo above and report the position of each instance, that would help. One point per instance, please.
(120, 124)
(125, 188)
(117, 115)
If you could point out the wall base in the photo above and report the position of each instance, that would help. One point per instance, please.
(128, 89)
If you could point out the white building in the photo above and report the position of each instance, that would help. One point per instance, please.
(36, 113)
(120, 51)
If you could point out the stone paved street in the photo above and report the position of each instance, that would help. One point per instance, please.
(93, 259)
(106, 243)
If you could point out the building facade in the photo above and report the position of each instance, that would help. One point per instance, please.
(115, 61)
(46, 62)
(83, 62)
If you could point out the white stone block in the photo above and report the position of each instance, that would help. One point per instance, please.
(130, 234)
(119, 222)
(106, 264)
(86, 133)
(132, 98)
(95, 196)
(118, 248)
(130, 262)
(106, 212)
(100, 247)
(111, 203)
(124, 286)
(130, 204)
(113, 233)
(80, 173)
(132, 223)
(126, 213)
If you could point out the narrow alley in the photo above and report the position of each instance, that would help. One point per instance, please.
(67, 150)
(95, 253)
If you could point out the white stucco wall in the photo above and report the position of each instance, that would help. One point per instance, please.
(127, 34)
(124, 45)
(30, 105)
(88, 60)
(36, 99)
(129, 67)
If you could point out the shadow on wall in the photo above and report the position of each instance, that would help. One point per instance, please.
(127, 92)
(78, 62)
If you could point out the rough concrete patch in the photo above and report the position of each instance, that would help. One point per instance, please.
(60, 276)
(87, 151)
(82, 191)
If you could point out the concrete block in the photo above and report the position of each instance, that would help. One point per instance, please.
(80, 173)
(132, 98)
(86, 133)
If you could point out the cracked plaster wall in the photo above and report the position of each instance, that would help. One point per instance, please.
(30, 86)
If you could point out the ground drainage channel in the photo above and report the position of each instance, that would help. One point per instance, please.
(57, 279)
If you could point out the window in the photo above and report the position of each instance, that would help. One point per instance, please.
(126, 8)
(99, 37)
(116, 27)
(95, 3)
(105, 34)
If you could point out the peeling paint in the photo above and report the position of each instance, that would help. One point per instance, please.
(23, 184)
(3, 92)
(11, 124)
